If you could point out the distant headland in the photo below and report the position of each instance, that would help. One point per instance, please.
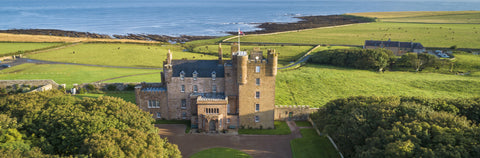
(306, 22)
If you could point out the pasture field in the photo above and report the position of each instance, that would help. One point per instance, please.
(8, 47)
(430, 35)
(466, 62)
(391, 15)
(68, 74)
(312, 145)
(128, 96)
(132, 55)
(154, 77)
(473, 18)
(220, 153)
(316, 85)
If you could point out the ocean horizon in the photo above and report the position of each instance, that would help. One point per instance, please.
(191, 17)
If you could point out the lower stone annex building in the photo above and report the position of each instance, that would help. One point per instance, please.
(215, 94)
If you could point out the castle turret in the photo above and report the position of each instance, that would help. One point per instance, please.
(242, 61)
(220, 54)
(167, 68)
(272, 62)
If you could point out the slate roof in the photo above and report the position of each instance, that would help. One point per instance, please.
(204, 68)
(410, 45)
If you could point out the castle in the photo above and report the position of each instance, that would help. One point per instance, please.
(215, 95)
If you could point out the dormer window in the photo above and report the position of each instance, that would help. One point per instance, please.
(195, 73)
(182, 75)
(214, 75)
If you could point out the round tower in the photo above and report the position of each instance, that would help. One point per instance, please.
(242, 61)
(272, 62)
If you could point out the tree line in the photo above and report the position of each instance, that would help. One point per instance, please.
(54, 124)
(378, 59)
(402, 126)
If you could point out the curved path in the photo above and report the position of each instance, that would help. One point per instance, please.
(302, 59)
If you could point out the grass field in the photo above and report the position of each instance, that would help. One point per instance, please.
(315, 85)
(312, 145)
(133, 55)
(155, 77)
(68, 74)
(430, 35)
(281, 128)
(390, 15)
(7, 47)
(128, 96)
(220, 153)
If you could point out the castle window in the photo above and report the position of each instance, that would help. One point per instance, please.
(153, 104)
(184, 104)
(195, 88)
(257, 94)
(228, 108)
(183, 88)
(257, 81)
(228, 120)
(149, 104)
(214, 88)
(257, 119)
(257, 107)
(220, 123)
(195, 73)
(182, 75)
(214, 75)
(257, 69)
(159, 115)
(184, 115)
(158, 104)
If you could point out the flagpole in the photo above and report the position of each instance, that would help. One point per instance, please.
(239, 39)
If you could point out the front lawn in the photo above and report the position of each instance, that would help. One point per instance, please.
(312, 145)
(281, 128)
(220, 153)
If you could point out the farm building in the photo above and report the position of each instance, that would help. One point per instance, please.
(398, 48)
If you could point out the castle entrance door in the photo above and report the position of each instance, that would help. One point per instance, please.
(212, 125)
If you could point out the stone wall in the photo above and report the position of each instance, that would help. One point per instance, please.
(295, 112)
(37, 83)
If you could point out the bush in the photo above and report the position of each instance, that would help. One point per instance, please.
(369, 59)
(111, 87)
(130, 87)
(90, 87)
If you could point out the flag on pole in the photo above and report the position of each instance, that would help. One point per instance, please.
(240, 32)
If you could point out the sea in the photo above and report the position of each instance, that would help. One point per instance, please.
(191, 17)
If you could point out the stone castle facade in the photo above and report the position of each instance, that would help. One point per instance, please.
(215, 95)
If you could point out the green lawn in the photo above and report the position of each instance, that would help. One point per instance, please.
(281, 128)
(133, 55)
(303, 124)
(312, 146)
(404, 14)
(7, 47)
(430, 35)
(155, 77)
(220, 153)
(316, 85)
(128, 96)
(68, 74)
(467, 62)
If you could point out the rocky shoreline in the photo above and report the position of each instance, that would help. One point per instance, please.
(306, 22)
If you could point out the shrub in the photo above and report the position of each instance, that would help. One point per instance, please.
(111, 87)
(90, 87)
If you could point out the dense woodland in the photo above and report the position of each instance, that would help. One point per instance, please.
(379, 59)
(402, 126)
(54, 124)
